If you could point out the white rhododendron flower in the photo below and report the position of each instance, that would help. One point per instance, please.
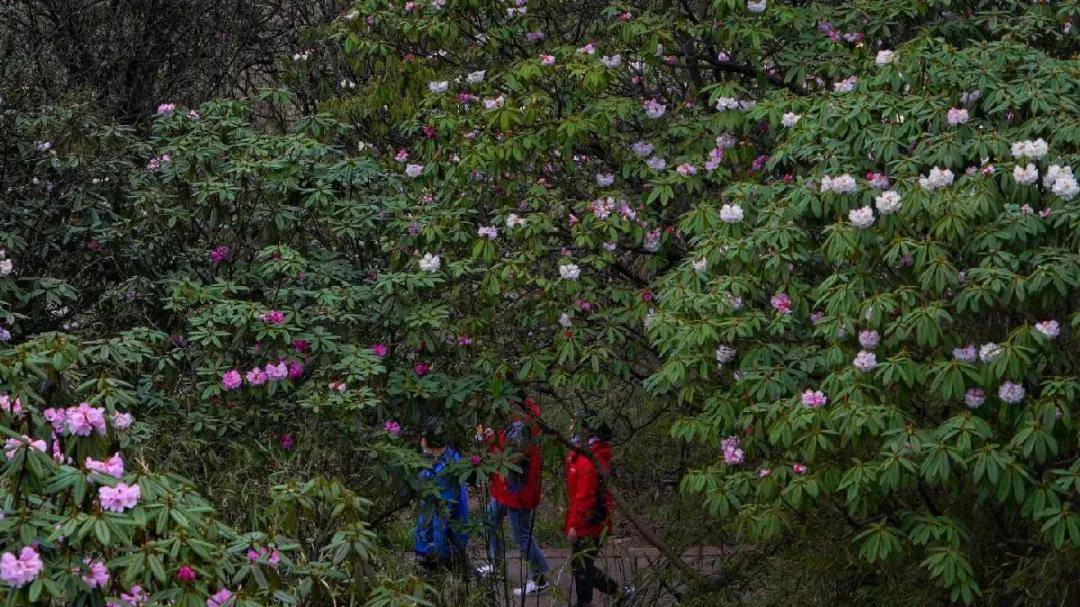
(790, 119)
(727, 103)
(844, 184)
(725, 354)
(1060, 181)
(989, 351)
(1026, 175)
(430, 263)
(414, 170)
(513, 221)
(569, 271)
(938, 178)
(731, 213)
(757, 6)
(612, 61)
(884, 57)
(475, 77)
(438, 87)
(888, 202)
(861, 218)
(1030, 149)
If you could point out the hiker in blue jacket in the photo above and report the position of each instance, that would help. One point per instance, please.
(440, 537)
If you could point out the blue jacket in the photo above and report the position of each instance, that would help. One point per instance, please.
(439, 524)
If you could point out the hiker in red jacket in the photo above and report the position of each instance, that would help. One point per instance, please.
(588, 510)
(517, 495)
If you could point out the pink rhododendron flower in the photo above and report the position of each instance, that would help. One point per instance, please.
(781, 302)
(166, 109)
(798, 468)
(686, 169)
(300, 345)
(231, 379)
(219, 254)
(12, 445)
(392, 428)
(119, 498)
(18, 571)
(286, 441)
(1010, 392)
(402, 155)
(868, 339)
(122, 421)
(1049, 328)
(273, 317)
(764, 472)
(83, 419)
(114, 466)
(256, 377)
(380, 349)
(185, 574)
(547, 59)
(733, 454)
(654, 109)
(56, 417)
(966, 354)
(338, 386)
(10, 405)
(865, 361)
(813, 399)
(974, 398)
(134, 597)
(296, 369)
(421, 369)
(474, 460)
(277, 372)
(957, 116)
(97, 576)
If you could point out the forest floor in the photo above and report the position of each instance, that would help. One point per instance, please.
(626, 564)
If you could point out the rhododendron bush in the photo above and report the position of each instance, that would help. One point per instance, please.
(839, 239)
(819, 261)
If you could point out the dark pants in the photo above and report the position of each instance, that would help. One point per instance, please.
(454, 564)
(587, 576)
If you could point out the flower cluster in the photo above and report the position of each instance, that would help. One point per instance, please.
(733, 453)
(938, 178)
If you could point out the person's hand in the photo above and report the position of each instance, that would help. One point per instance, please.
(571, 535)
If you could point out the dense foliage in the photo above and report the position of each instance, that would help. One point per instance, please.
(831, 250)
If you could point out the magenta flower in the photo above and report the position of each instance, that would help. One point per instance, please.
(119, 498)
(733, 454)
(474, 460)
(286, 442)
(421, 369)
(219, 254)
(274, 317)
(296, 369)
(185, 574)
(798, 468)
(277, 372)
(166, 109)
(464, 341)
(12, 445)
(18, 571)
(392, 428)
(781, 302)
(56, 417)
(231, 379)
(380, 349)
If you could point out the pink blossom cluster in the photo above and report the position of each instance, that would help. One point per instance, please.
(219, 598)
(781, 302)
(272, 557)
(273, 317)
(80, 420)
(12, 445)
(134, 597)
(18, 571)
(812, 399)
(733, 453)
(96, 576)
(10, 405)
(219, 254)
(119, 498)
(257, 376)
(114, 466)
(156, 163)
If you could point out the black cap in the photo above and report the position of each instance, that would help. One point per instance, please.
(434, 433)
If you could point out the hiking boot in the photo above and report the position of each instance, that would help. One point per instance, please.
(627, 597)
(485, 570)
(532, 588)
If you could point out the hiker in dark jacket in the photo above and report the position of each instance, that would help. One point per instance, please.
(439, 538)
(588, 510)
(517, 495)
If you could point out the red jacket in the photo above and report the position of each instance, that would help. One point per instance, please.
(520, 491)
(582, 485)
